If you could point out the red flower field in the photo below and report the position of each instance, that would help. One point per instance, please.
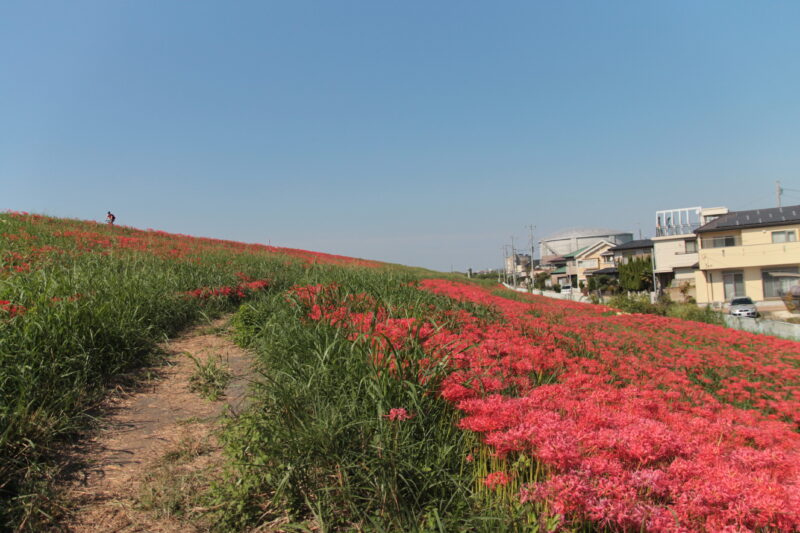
(639, 422)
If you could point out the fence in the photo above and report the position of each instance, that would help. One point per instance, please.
(573, 295)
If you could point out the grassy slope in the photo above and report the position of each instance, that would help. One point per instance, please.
(91, 302)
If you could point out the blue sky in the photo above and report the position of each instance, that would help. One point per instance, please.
(423, 133)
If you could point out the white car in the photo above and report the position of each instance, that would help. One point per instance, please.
(743, 306)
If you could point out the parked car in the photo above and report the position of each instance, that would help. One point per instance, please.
(743, 306)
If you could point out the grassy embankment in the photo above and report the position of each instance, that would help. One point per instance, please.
(83, 304)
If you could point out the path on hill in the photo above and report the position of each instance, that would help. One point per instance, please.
(157, 449)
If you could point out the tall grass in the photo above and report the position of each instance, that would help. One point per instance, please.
(318, 449)
(89, 316)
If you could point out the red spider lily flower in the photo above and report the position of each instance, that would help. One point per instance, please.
(399, 414)
(496, 479)
(11, 309)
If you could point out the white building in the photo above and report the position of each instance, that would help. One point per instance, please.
(574, 239)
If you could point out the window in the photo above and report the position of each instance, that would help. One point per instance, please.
(721, 242)
(587, 263)
(691, 246)
(779, 281)
(784, 236)
(733, 284)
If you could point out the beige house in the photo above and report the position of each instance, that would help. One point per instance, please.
(592, 259)
(750, 253)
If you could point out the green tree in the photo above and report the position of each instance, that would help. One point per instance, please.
(540, 280)
(636, 274)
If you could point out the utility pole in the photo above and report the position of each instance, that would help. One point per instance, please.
(531, 228)
(513, 262)
(778, 191)
(505, 263)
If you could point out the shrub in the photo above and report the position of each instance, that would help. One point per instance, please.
(634, 303)
(698, 314)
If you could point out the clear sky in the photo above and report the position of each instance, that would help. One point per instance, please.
(417, 132)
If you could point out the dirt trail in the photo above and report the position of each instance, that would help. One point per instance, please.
(157, 449)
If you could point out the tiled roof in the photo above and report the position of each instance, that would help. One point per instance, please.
(573, 254)
(755, 218)
(602, 271)
(632, 245)
(560, 270)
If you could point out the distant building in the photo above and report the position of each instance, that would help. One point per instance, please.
(556, 246)
(519, 263)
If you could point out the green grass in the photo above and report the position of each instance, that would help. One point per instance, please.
(317, 450)
(210, 377)
(89, 318)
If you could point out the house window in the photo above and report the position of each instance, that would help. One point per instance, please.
(691, 246)
(721, 242)
(587, 263)
(733, 284)
(784, 236)
(779, 281)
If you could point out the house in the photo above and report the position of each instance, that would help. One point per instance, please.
(519, 265)
(568, 241)
(622, 253)
(752, 253)
(556, 266)
(675, 249)
(593, 259)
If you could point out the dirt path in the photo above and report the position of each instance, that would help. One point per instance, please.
(158, 449)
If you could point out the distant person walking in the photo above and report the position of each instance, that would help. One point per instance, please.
(110, 218)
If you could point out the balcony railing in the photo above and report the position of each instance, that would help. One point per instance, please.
(676, 229)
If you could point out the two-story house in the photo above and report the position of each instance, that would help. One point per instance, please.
(642, 248)
(593, 259)
(675, 249)
(749, 253)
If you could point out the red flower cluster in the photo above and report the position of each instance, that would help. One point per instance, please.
(238, 292)
(10, 309)
(87, 237)
(399, 413)
(496, 479)
(612, 407)
(629, 436)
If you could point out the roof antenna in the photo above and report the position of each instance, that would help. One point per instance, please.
(778, 192)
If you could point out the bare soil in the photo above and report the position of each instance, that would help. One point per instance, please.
(157, 449)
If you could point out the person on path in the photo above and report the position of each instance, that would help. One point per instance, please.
(110, 218)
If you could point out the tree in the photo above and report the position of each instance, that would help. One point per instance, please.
(637, 274)
(540, 280)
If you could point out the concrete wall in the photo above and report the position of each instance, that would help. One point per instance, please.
(765, 327)
(574, 296)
